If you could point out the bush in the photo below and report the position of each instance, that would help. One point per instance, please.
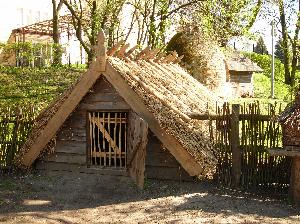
(28, 53)
(262, 82)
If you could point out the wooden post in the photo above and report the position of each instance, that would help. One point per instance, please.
(295, 180)
(101, 50)
(234, 140)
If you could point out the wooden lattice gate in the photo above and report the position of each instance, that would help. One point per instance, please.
(107, 132)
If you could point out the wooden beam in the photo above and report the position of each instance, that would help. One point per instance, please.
(178, 60)
(101, 50)
(121, 52)
(115, 48)
(142, 53)
(160, 57)
(128, 53)
(176, 149)
(292, 151)
(242, 117)
(295, 180)
(170, 58)
(151, 54)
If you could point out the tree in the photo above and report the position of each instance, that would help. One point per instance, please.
(55, 35)
(286, 39)
(284, 32)
(153, 18)
(260, 47)
(88, 16)
(278, 50)
(224, 19)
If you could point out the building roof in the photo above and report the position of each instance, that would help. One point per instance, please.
(45, 28)
(291, 112)
(160, 91)
(238, 62)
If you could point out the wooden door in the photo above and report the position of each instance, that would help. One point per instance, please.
(107, 139)
(136, 146)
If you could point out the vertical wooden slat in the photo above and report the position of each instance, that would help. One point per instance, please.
(115, 137)
(88, 135)
(103, 133)
(125, 145)
(109, 143)
(93, 137)
(99, 143)
(234, 137)
(120, 140)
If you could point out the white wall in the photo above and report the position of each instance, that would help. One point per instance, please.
(18, 13)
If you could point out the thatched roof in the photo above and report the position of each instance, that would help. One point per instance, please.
(171, 94)
(161, 92)
(291, 112)
(238, 62)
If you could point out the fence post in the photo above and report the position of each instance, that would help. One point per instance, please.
(235, 141)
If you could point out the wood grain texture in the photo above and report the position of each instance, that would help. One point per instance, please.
(54, 166)
(235, 142)
(286, 151)
(67, 158)
(295, 180)
(71, 147)
(137, 145)
(71, 138)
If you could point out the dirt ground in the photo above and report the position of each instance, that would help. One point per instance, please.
(63, 197)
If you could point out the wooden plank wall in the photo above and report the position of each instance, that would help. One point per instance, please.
(160, 164)
(240, 77)
(71, 139)
(70, 151)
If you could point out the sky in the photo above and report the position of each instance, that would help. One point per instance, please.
(262, 26)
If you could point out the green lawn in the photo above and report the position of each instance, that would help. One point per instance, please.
(38, 86)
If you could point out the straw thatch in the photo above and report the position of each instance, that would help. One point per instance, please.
(290, 121)
(202, 58)
(170, 93)
(238, 62)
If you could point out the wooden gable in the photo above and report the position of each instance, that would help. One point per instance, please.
(79, 100)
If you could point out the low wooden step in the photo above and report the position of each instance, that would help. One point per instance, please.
(55, 166)
(61, 157)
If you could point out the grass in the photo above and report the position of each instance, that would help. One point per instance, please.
(283, 93)
(262, 88)
(38, 86)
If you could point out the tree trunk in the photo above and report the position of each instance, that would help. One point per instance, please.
(295, 49)
(56, 34)
(286, 57)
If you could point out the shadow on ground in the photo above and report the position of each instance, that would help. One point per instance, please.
(61, 191)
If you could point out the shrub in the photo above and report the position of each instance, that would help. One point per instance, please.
(262, 82)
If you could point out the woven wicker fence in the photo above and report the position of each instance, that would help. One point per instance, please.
(15, 125)
(243, 134)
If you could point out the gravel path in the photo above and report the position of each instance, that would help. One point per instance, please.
(62, 197)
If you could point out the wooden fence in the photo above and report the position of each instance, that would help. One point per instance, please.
(243, 134)
(15, 124)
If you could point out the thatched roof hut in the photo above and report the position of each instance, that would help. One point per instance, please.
(240, 71)
(227, 73)
(116, 111)
(290, 122)
(240, 63)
